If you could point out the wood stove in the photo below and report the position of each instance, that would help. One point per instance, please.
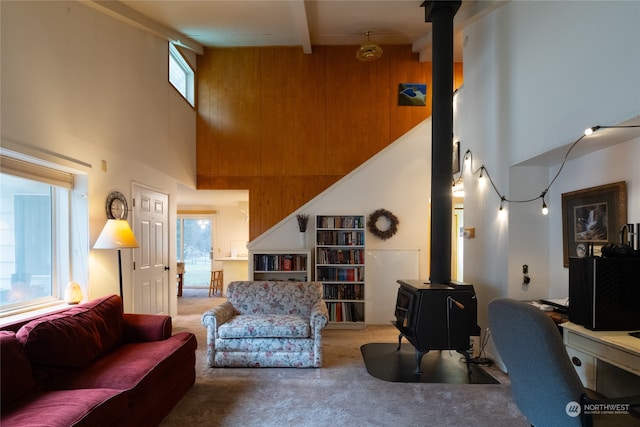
(434, 316)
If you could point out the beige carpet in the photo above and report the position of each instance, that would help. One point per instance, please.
(341, 393)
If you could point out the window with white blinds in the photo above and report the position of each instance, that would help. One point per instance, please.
(35, 212)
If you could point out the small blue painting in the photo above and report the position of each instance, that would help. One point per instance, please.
(412, 94)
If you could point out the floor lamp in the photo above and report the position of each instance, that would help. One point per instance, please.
(116, 234)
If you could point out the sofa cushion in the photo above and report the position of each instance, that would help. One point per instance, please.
(265, 326)
(75, 337)
(15, 370)
(138, 368)
(63, 408)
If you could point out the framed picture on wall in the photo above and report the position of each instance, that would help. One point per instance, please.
(591, 218)
(455, 157)
(412, 94)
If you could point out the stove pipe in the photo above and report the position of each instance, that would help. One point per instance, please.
(441, 14)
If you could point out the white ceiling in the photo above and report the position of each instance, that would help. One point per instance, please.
(240, 23)
(197, 24)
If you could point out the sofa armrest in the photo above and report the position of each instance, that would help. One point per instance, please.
(219, 315)
(146, 327)
(319, 316)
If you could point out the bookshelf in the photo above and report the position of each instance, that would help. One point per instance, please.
(340, 266)
(280, 265)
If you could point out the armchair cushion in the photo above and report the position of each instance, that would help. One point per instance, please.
(265, 326)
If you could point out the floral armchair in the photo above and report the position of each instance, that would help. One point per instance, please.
(267, 324)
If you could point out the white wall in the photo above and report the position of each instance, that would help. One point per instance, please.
(231, 226)
(619, 163)
(530, 89)
(80, 85)
(397, 179)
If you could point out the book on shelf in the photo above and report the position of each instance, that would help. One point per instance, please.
(280, 262)
(340, 238)
(344, 312)
(340, 256)
(339, 221)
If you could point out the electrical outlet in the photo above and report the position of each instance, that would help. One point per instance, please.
(525, 269)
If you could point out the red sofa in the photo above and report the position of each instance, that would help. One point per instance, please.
(93, 365)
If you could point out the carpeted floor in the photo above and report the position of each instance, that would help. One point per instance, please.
(340, 393)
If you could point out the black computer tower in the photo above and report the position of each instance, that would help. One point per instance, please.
(604, 293)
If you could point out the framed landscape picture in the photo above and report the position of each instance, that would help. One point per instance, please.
(591, 218)
(412, 94)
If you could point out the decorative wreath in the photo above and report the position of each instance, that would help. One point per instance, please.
(373, 227)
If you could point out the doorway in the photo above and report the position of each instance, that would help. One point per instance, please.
(195, 248)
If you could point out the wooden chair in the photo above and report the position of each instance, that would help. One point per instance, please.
(180, 274)
(216, 283)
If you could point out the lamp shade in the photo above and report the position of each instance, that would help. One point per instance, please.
(116, 234)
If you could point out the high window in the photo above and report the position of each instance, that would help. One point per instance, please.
(181, 75)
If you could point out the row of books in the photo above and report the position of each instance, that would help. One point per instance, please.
(339, 256)
(262, 262)
(340, 238)
(338, 274)
(340, 222)
(345, 312)
(353, 292)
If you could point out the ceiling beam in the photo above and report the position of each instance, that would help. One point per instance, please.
(132, 17)
(300, 23)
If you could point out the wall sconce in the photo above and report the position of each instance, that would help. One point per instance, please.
(116, 234)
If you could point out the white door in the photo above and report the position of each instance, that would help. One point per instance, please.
(151, 260)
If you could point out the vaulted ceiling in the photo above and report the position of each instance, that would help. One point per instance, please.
(235, 23)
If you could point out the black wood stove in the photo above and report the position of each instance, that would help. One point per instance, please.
(434, 316)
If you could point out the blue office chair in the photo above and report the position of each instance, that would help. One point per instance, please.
(544, 383)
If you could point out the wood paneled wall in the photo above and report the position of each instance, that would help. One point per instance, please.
(286, 125)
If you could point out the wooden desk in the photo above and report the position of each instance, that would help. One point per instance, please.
(587, 348)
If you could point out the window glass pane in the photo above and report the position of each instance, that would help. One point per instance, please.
(177, 76)
(26, 245)
(181, 76)
(194, 240)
